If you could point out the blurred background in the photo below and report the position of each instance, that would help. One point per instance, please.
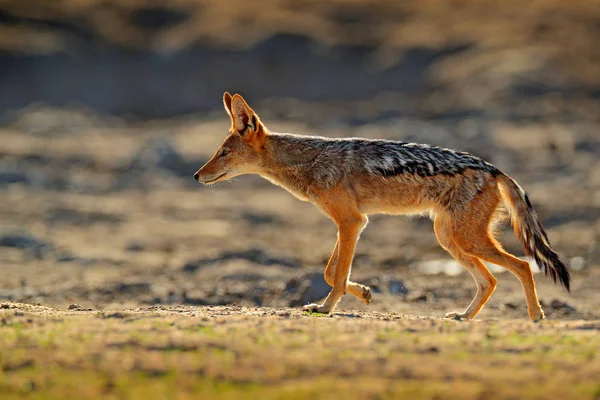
(108, 107)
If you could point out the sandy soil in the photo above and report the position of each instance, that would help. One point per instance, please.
(233, 352)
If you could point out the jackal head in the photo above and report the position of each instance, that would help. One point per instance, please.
(241, 151)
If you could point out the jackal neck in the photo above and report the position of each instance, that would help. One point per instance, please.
(287, 152)
(291, 161)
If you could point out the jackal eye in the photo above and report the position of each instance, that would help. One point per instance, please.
(224, 152)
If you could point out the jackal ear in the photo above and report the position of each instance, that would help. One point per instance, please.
(227, 102)
(242, 115)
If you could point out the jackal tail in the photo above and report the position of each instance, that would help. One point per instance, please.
(530, 231)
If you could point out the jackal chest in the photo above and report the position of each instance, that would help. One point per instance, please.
(297, 188)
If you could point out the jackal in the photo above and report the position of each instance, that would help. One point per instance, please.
(349, 178)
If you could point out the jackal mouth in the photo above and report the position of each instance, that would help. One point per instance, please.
(215, 179)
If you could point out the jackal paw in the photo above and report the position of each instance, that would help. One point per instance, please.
(457, 315)
(317, 308)
(537, 316)
(366, 295)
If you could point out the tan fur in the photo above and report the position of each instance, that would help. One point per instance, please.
(464, 204)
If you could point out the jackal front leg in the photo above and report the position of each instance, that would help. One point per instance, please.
(349, 228)
(361, 291)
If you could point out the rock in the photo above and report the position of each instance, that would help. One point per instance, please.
(196, 298)
(8, 177)
(429, 349)
(254, 218)
(192, 266)
(434, 267)
(244, 277)
(577, 263)
(562, 307)
(587, 145)
(424, 296)
(74, 217)
(396, 286)
(77, 307)
(160, 154)
(66, 257)
(257, 256)
(25, 241)
(307, 288)
(133, 287)
(135, 246)
(20, 241)
(258, 294)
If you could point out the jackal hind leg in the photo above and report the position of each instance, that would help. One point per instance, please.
(488, 251)
(471, 233)
(484, 280)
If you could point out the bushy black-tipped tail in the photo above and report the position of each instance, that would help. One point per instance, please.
(531, 233)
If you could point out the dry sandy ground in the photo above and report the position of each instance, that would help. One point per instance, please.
(232, 352)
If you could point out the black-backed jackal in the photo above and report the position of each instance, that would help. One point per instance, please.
(350, 178)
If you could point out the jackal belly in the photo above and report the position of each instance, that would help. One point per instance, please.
(412, 194)
(393, 198)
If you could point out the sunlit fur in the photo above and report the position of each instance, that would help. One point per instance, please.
(350, 178)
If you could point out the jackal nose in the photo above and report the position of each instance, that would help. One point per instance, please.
(196, 176)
